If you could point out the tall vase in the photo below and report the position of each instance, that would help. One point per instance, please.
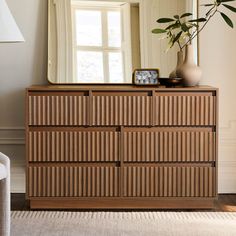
(189, 71)
(180, 60)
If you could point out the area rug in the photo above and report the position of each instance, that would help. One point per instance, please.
(42, 223)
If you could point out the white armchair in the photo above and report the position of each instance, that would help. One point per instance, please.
(4, 195)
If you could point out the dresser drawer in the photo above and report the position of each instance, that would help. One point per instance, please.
(169, 145)
(74, 146)
(58, 109)
(169, 182)
(122, 109)
(185, 109)
(73, 181)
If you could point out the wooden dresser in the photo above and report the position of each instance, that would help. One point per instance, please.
(121, 147)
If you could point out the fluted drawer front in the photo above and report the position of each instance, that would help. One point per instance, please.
(58, 110)
(122, 110)
(73, 181)
(185, 110)
(61, 146)
(169, 146)
(169, 182)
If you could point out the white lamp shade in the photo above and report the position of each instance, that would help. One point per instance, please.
(9, 31)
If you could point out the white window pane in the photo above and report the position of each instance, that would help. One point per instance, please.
(88, 28)
(116, 67)
(114, 28)
(90, 67)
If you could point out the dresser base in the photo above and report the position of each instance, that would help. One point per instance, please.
(121, 203)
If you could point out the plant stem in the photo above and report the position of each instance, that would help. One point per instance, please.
(197, 32)
(179, 45)
(177, 42)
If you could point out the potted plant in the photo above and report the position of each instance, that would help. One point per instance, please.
(182, 30)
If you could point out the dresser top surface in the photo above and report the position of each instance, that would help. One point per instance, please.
(116, 88)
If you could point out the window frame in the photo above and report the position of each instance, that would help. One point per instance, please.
(124, 49)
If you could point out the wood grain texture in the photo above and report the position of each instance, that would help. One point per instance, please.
(123, 203)
(121, 110)
(120, 87)
(224, 203)
(71, 146)
(168, 145)
(169, 182)
(185, 110)
(117, 147)
(60, 181)
(57, 110)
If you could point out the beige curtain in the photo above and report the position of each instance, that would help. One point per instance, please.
(64, 41)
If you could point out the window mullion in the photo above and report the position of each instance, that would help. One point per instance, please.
(126, 45)
(105, 45)
(95, 48)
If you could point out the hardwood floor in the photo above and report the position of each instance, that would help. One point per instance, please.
(225, 203)
(18, 202)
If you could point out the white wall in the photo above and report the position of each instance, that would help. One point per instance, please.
(218, 61)
(22, 65)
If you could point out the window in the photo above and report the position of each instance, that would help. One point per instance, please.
(100, 49)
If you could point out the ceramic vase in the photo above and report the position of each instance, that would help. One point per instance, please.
(189, 71)
(180, 60)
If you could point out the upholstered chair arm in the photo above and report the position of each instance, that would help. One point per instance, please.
(5, 161)
(5, 198)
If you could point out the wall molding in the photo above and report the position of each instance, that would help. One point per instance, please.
(12, 136)
(229, 126)
(230, 163)
(227, 135)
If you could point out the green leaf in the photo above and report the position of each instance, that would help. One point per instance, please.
(230, 7)
(195, 25)
(158, 31)
(165, 20)
(184, 27)
(220, 1)
(207, 5)
(198, 20)
(173, 26)
(177, 37)
(176, 17)
(186, 14)
(170, 45)
(227, 20)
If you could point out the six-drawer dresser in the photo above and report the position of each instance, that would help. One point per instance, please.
(121, 147)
